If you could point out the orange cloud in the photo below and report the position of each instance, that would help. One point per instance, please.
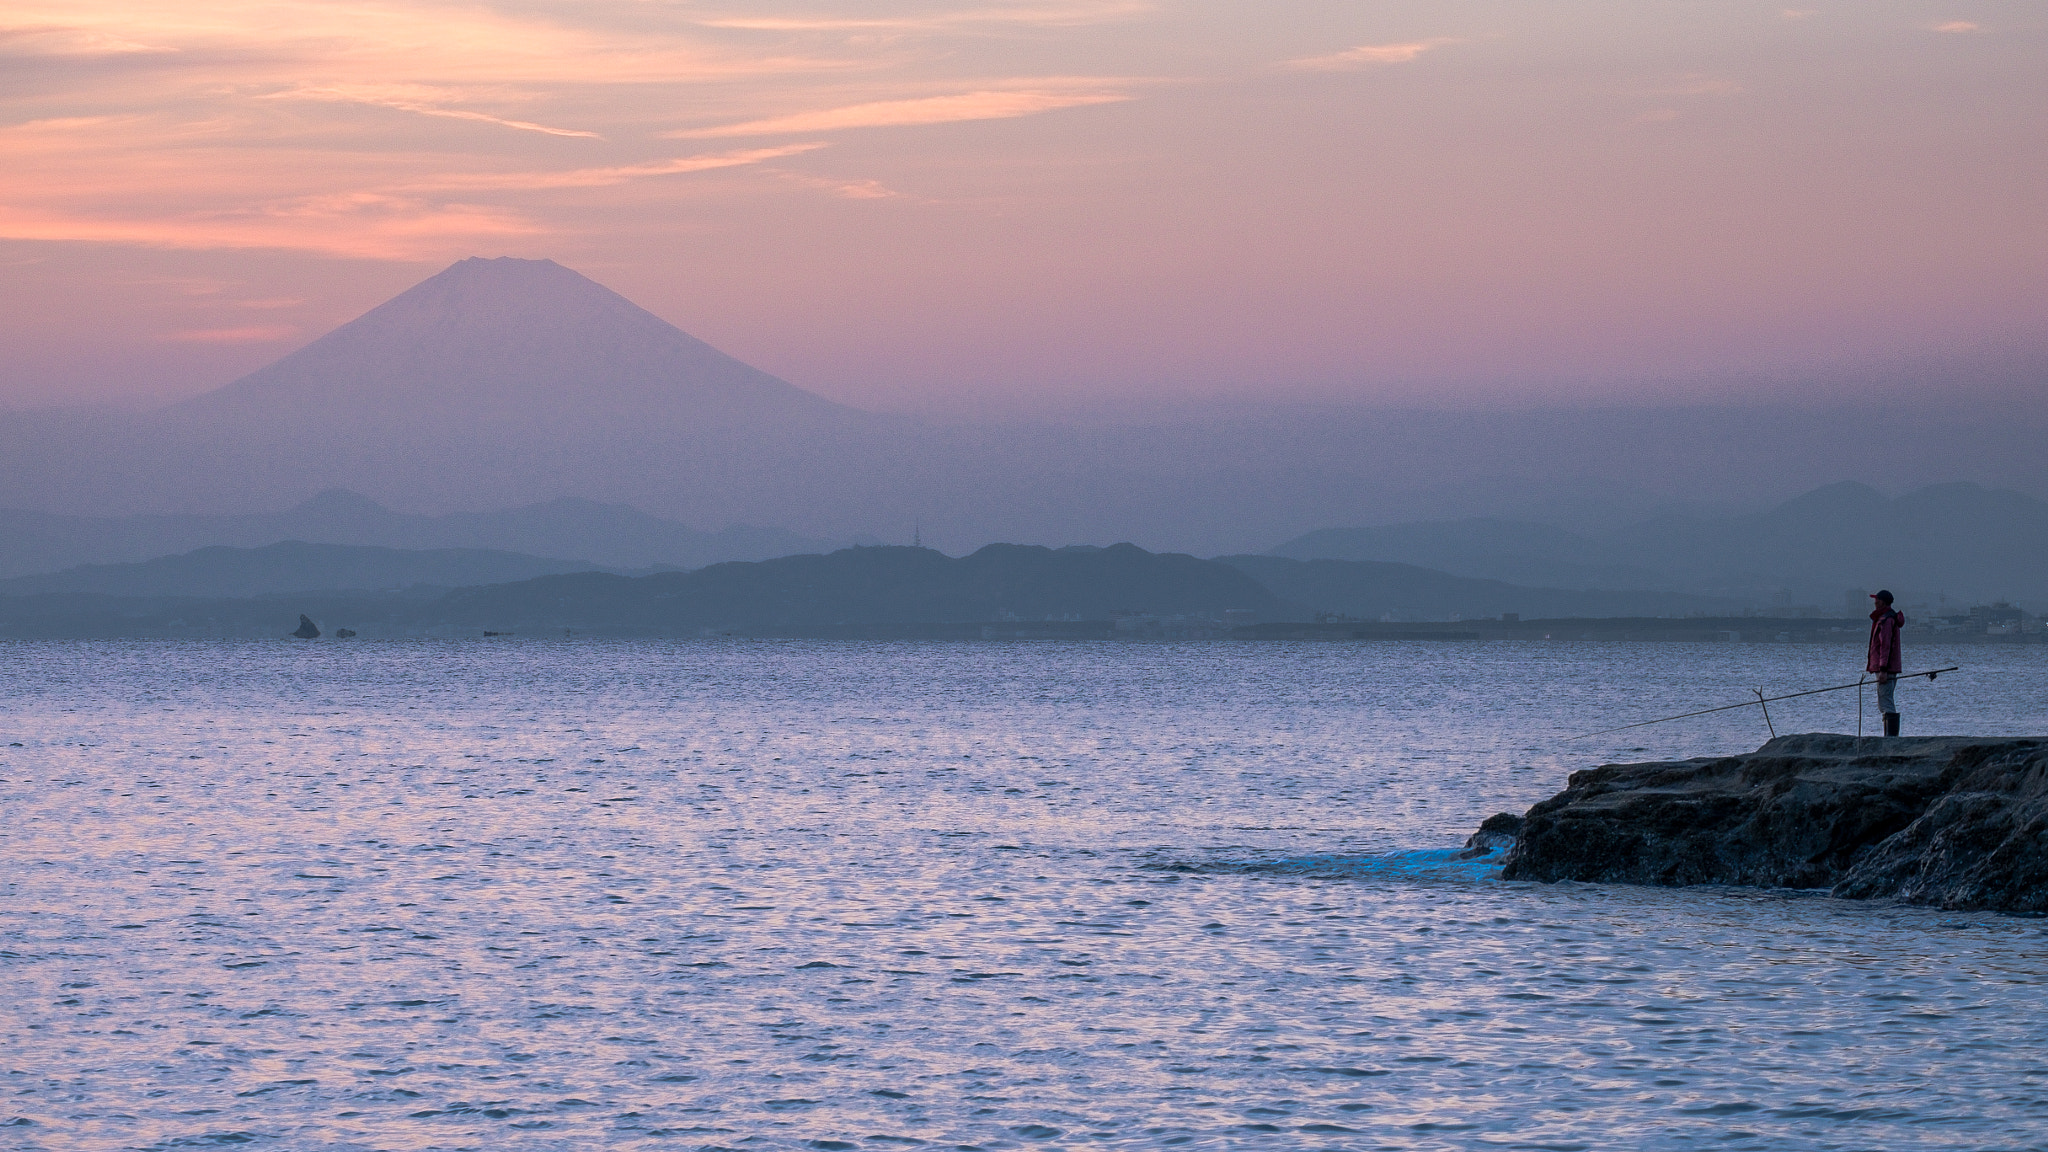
(900, 113)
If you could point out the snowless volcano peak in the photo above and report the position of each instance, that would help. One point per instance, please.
(507, 340)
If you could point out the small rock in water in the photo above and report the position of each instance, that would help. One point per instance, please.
(1499, 830)
(307, 630)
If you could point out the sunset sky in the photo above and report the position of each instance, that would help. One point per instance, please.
(995, 207)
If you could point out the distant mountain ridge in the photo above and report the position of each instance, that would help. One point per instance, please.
(848, 588)
(1969, 543)
(588, 532)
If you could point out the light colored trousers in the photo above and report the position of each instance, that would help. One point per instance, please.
(1887, 688)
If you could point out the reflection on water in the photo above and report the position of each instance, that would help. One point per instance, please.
(764, 895)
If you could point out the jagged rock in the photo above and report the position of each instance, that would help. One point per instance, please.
(307, 630)
(1954, 821)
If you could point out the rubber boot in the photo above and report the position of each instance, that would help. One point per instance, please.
(1891, 723)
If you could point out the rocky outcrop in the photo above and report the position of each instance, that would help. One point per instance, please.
(307, 630)
(1954, 821)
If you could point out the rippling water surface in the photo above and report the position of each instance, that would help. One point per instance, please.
(808, 895)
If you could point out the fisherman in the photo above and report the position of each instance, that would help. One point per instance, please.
(1885, 659)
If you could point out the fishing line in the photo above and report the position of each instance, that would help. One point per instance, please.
(1762, 700)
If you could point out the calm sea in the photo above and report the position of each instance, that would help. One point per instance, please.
(765, 895)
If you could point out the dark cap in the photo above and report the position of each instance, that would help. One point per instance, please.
(1881, 594)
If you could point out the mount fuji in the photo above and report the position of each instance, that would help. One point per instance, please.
(507, 344)
(495, 382)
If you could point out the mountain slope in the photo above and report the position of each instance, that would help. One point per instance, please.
(493, 382)
(498, 344)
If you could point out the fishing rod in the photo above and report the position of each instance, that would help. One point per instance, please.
(1762, 700)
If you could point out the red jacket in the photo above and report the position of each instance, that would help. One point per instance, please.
(1884, 641)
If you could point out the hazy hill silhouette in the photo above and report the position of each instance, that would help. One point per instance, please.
(1485, 547)
(1968, 542)
(590, 533)
(292, 566)
(873, 585)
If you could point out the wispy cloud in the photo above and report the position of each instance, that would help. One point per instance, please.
(846, 189)
(398, 41)
(900, 113)
(1957, 26)
(1045, 15)
(59, 40)
(1698, 85)
(605, 177)
(358, 226)
(1369, 54)
(404, 102)
(250, 335)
